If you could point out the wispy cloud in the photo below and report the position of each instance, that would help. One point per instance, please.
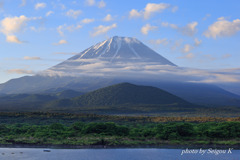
(151, 70)
(189, 30)
(187, 56)
(145, 29)
(160, 41)
(70, 28)
(13, 39)
(40, 6)
(87, 20)
(60, 30)
(108, 18)
(20, 71)
(49, 13)
(223, 28)
(63, 41)
(65, 53)
(99, 4)
(101, 29)
(73, 28)
(90, 2)
(73, 13)
(31, 58)
(197, 42)
(187, 48)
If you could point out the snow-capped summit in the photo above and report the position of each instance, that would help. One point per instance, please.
(119, 48)
(109, 54)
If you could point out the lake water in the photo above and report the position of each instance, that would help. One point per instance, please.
(116, 154)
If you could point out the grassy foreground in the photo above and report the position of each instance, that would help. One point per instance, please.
(87, 129)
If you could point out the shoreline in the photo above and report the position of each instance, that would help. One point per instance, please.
(163, 146)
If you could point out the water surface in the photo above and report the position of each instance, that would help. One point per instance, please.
(111, 154)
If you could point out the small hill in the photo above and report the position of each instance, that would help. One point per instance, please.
(128, 94)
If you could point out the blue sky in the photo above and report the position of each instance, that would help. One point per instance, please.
(37, 34)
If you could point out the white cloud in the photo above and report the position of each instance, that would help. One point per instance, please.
(197, 42)
(149, 10)
(108, 18)
(145, 29)
(134, 14)
(61, 42)
(102, 29)
(20, 71)
(152, 8)
(187, 48)
(40, 6)
(223, 28)
(188, 30)
(87, 20)
(12, 39)
(31, 58)
(147, 70)
(101, 4)
(49, 13)
(24, 2)
(9, 26)
(73, 13)
(159, 41)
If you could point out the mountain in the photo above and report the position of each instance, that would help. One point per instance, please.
(117, 60)
(111, 51)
